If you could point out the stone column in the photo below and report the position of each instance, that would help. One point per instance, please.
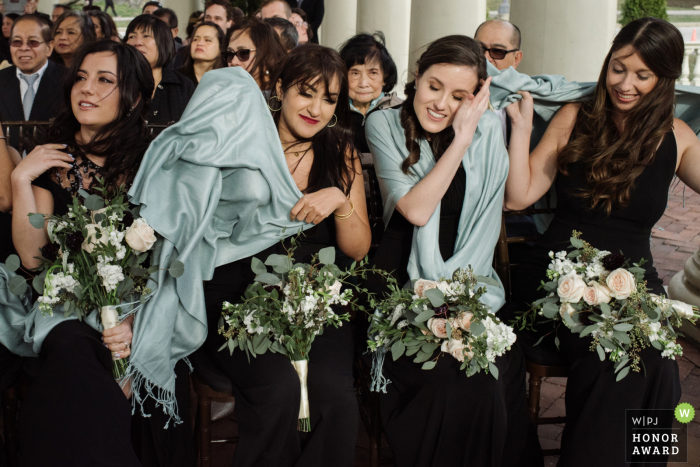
(431, 19)
(569, 38)
(685, 286)
(393, 18)
(339, 22)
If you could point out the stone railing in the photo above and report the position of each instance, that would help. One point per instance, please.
(692, 49)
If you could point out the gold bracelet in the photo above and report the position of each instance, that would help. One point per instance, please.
(345, 216)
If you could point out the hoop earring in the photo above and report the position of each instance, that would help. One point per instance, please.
(269, 106)
(336, 121)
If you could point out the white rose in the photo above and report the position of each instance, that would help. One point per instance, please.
(655, 327)
(455, 347)
(566, 308)
(683, 309)
(90, 240)
(595, 294)
(140, 236)
(464, 321)
(570, 287)
(422, 285)
(438, 326)
(335, 288)
(621, 283)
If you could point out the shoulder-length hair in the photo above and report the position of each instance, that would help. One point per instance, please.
(124, 140)
(613, 159)
(161, 34)
(87, 28)
(451, 50)
(370, 48)
(268, 49)
(109, 28)
(334, 153)
(219, 62)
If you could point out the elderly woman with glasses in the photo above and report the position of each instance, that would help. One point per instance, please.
(255, 46)
(151, 36)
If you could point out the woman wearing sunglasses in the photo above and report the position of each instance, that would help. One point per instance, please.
(256, 47)
(173, 91)
(206, 51)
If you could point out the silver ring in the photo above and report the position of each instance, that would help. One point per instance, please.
(126, 346)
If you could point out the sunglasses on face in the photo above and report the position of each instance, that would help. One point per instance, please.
(32, 43)
(498, 54)
(242, 54)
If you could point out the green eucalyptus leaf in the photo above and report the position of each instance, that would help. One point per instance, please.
(477, 328)
(622, 337)
(12, 263)
(624, 327)
(606, 343)
(601, 352)
(257, 266)
(83, 193)
(577, 242)
(428, 365)
(94, 202)
(538, 341)
(622, 373)
(397, 350)
(605, 308)
(556, 341)
(424, 316)
(493, 369)
(588, 330)
(231, 345)
(412, 351)
(421, 357)
(327, 255)
(17, 285)
(100, 217)
(78, 291)
(550, 310)
(657, 345)
(436, 297)
(38, 282)
(267, 278)
(487, 280)
(37, 220)
(177, 268)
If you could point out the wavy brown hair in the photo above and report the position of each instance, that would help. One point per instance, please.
(268, 49)
(451, 50)
(613, 159)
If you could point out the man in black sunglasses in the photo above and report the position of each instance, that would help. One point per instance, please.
(501, 43)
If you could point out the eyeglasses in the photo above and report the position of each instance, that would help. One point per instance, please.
(32, 43)
(498, 54)
(300, 24)
(242, 54)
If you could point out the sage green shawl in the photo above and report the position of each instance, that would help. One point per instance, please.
(486, 166)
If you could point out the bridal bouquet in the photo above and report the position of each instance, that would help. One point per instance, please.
(97, 258)
(284, 310)
(596, 293)
(446, 315)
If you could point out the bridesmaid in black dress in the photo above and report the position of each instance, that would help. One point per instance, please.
(75, 412)
(310, 107)
(611, 160)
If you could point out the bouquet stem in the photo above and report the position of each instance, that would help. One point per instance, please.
(110, 319)
(302, 368)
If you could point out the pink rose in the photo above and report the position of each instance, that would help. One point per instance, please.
(621, 283)
(438, 326)
(570, 289)
(455, 347)
(423, 285)
(566, 308)
(595, 294)
(464, 321)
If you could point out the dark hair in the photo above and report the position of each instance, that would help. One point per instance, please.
(87, 28)
(161, 34)
(312, 64)
(452, 50)
(192, 21)
(613, 159)
(289, 35)
(41, 21)
(219, 62)
(368, 48)
(238, 15)
(302, 14)
(172, 16)
(109, 29)
(287, 7)
(223, 3)
(89, 8)
(151, 3)
(63, 6)
(268, 49)
(123, 141)
(514, 38)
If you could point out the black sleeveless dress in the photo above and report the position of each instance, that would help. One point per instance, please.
(594, 433)
(267, 388)
(440, 417)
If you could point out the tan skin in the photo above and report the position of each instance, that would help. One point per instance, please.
(243, 41)
(27, 59)
(67, 39)
(9, 158)
(532, 174)
(145, 43)
(96, 83)
(303, 114)
(444, 97)
(365, 84)
(498, 34)
(205, 49)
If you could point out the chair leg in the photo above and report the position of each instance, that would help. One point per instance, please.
(534, 399)
(375, 436)
(204, 422)
(10, 424)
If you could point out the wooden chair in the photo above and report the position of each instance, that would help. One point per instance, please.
(536, 371)
(371, 418)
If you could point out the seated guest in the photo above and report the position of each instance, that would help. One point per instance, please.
(298, 19)
(170, 18)
(32, 89)
(275, 9)
(71, 30)
(219, 12)
(150, 7)
(314, 10)
(238, 15)
(7, 21)
(286, 30)
(58, 10)
(104, 26)
(172, 91)
(206, 52)
(256, 47)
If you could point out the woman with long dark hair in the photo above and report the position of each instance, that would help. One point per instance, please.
(442, 167)
(206, 51)
(105, 28)
(74, 402)
(71, 30)
(612, 159)
(310, 109)
(255, 46)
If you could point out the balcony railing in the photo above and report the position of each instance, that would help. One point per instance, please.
(692, 49)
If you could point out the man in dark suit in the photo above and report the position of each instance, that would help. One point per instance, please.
(31, 90)
(314, 10)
